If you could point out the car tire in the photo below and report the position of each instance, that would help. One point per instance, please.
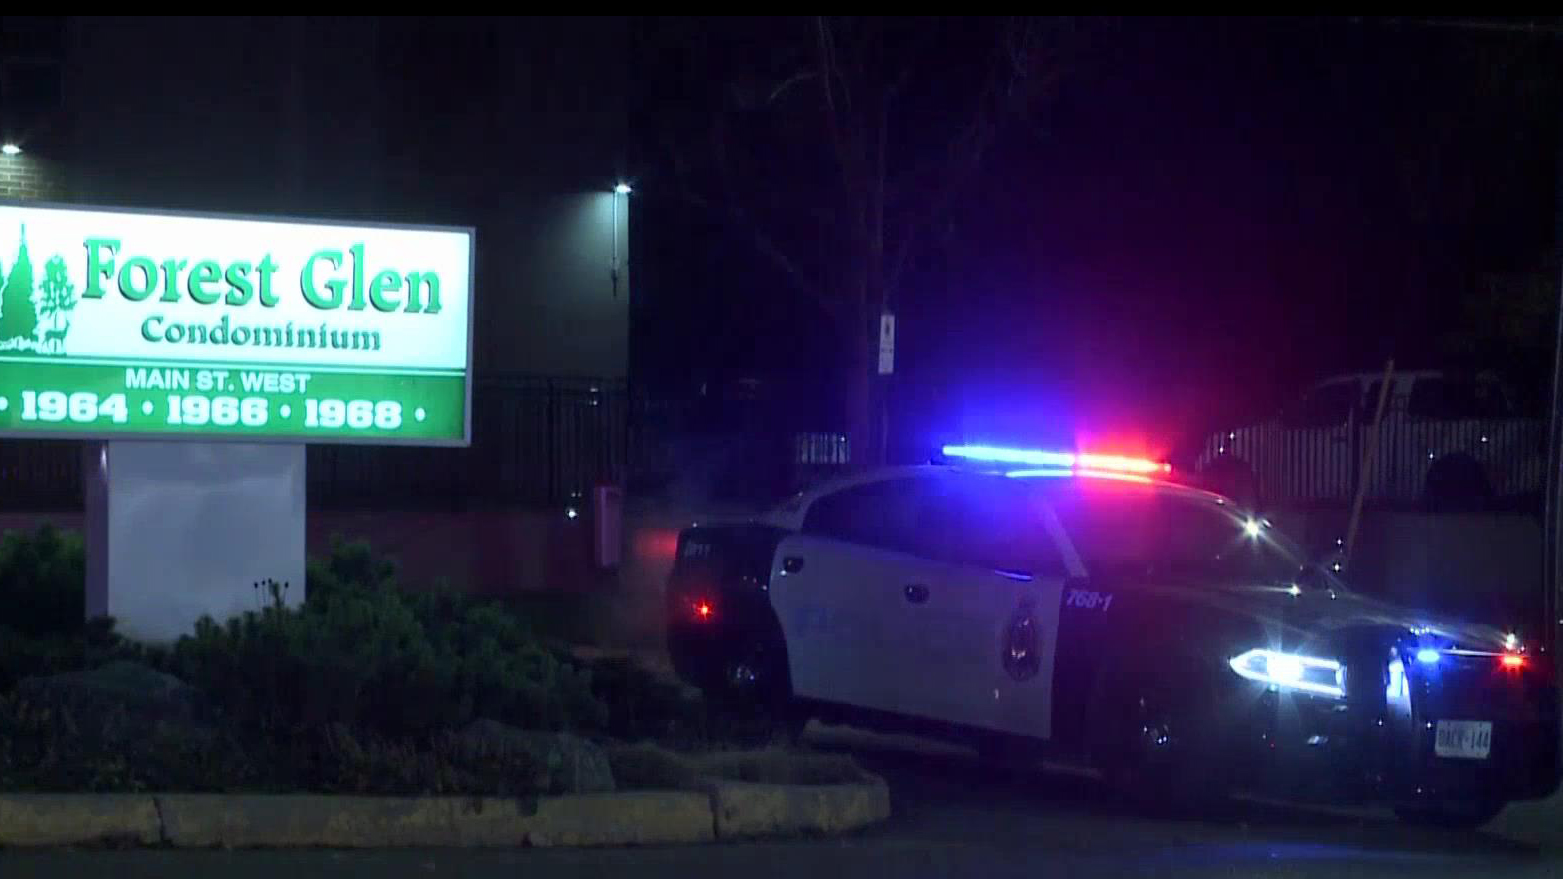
(1447, 815)
(752, 702)
(1158, 742)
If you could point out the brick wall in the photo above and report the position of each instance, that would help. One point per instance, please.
(30, 178)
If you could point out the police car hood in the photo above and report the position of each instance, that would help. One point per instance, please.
(1320, 610)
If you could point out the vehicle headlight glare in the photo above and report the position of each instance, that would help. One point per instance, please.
(1292, 671)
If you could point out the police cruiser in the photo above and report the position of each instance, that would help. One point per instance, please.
(1087, 609)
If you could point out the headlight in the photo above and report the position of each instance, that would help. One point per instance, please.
(1293, 671)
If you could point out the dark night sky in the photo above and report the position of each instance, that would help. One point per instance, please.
(1208, 214)
(1215, 212)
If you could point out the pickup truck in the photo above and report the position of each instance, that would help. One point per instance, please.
(1446, 442)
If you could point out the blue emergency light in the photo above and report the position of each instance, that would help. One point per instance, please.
(1058, 461)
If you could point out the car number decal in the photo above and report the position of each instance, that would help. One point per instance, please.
(1088, 599)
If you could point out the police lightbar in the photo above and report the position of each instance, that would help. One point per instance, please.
(1058, 460)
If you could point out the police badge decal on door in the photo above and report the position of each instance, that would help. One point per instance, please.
(1022, 657)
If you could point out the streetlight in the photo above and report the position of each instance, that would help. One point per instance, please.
(621, 189)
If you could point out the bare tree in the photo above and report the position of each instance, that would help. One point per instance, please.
(835, 146)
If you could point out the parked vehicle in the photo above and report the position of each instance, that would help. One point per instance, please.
(1446, 442)
(1080, 609)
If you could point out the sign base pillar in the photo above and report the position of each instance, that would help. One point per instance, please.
(178, 530)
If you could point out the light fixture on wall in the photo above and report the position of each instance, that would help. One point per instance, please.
(620, 189)
(10, 149)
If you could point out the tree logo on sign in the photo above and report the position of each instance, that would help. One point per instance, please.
(34, 318)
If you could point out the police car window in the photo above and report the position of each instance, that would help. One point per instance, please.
(1127, 531)
(987, 522)
(882, 514)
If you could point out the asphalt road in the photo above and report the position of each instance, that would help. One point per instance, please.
(952, 818)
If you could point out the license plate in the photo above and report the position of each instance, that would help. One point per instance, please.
(1463, 739)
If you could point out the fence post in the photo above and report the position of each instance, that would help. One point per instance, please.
(1366, 471)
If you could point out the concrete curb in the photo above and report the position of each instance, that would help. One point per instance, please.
(724, 810)
(69, 819)
(745, 811)
(253, 821)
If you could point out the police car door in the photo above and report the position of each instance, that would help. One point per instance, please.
(836, 588)
(983, 654)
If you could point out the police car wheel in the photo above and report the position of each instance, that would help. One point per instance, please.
(1157, 743)
(1450, 815)
(751, 700)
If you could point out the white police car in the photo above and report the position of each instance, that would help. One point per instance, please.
(1086, 607)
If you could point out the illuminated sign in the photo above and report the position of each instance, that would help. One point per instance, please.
(158, 325)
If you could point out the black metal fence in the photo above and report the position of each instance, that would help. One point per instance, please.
(535, 442)
(42, 475)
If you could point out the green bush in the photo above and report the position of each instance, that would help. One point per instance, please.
(44, 628)
(364, 655)
(41, 750)
(641, 705)
(649, 766)
(43, 578)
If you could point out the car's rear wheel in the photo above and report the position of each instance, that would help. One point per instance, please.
(1451, 814)
(1158, 743)
(751, 700)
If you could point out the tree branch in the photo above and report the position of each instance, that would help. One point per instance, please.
(789, 82)
(1011, 82)
(733, 212)
(831, 78)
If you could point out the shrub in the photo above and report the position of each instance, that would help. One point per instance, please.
(780, 766)
(44, 628)
(645, 765)
(41, 750)
(362, 654)
(641, 705)
(649, 766)
(43, 579)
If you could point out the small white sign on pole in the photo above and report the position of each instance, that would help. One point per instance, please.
(886, 344)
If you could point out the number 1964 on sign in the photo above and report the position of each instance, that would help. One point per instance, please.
(82, 407)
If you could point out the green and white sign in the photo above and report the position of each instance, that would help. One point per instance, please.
(120, 324)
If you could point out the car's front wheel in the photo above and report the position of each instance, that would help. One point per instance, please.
(1158, 742)
(1450, 814)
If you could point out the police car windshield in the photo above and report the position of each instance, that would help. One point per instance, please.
(1129, 530)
